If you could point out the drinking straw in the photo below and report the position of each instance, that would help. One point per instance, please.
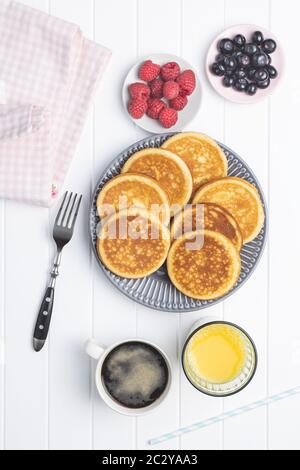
(224, 416)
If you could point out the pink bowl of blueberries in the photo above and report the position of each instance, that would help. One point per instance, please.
(162, 92)
(245, 64)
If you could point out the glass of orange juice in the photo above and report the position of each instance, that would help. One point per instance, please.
(219, 358)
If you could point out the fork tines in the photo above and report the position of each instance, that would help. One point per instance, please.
(68, 211)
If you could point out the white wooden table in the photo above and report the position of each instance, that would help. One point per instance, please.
(48, 400)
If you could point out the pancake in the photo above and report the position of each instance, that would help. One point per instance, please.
(168, 170)
(202, 155)
(209, 217)
(133, 243)
(204, 273)
(241, 199)
(131, 190)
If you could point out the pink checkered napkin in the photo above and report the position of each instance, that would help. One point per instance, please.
(49, 73)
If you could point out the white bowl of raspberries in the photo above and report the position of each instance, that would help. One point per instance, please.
(162, 92)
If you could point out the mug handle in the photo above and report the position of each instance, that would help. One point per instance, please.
(93, 349)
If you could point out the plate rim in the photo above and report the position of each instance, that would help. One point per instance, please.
(168, 57)
(259, 97)
(209, 303)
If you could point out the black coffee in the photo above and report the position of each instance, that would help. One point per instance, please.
(135, 374)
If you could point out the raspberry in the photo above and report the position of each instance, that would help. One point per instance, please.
(149, 71)
(137, 108)
(139, 91)
(179, 103)
(182, 93)
(171, 90)
(170, 71)
(187, 81)
(155, 106)
(156, 87)
(168, 117)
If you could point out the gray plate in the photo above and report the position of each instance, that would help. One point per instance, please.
(157, 291)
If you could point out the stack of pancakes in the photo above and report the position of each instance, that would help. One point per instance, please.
(212, 214)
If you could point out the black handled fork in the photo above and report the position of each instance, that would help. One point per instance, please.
(62, 234)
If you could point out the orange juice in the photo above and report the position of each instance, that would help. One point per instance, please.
(219, 354)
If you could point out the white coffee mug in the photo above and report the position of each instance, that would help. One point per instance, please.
(99, 353)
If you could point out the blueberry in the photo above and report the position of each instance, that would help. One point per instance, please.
(241, 84)
(264, 84)
(236, 55)
(230, 63)
(250, 49)
(239, 40)
(236, 84)
(241, 73)
(222, 69)
(244, 60)
(261, 75)
(220, 58)
(251, 71)
(228, 81)
(218, 69)
(258, 38)
(260, 59)
(229, 73)
(269, 46)
(226, 46)
(252, 89)
(272, 72)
